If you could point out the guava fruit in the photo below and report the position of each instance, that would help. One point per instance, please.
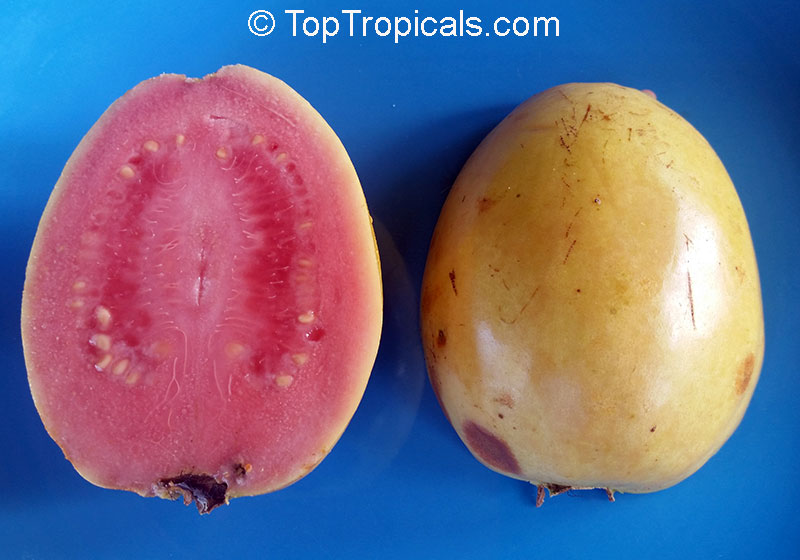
(202, 304)
(591, 309)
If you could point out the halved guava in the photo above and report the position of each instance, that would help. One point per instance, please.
(202, 304)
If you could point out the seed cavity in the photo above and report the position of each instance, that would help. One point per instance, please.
(281, 157)
(306, 225)
(79, 286)
(76, 303)
(257, 139)
(284, 380)
(234, 349)
(222, 152)
(126, 172)
(180, 139)
(305, 263)
(161, 348)
(101, 342)
(104, 362)
(103, 316)
(306, 318)
(132, 378)
(120, 367)
(151, 146)
(300, 359)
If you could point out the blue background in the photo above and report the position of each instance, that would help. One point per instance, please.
(399, 483)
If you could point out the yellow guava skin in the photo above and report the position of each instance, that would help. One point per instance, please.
(591, 309)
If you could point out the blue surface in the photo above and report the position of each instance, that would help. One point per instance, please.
(399, 483)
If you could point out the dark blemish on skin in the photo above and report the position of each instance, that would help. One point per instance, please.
(610, 494)
(578, 290)
(568, 128)
(575, 215)
(500, 415)
(441, 339)
(505, 399)
(745, 373)
(564, 181)
(485, 204)
(569, 227)
(691, 299)
(564, 144)
(518, 195)
(463, 198)
(490, 448)
(597, 200)
(653, 429)
(452, 275)
(629, 134)
(688, 241)
(670, 163)
(574, 241)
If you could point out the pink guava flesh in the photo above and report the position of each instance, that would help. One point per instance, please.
(202, 302)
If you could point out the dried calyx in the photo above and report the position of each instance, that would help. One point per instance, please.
(205, 490)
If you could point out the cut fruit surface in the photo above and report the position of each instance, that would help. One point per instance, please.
(202, 305)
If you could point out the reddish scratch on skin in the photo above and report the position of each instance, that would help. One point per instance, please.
(522, 310)
(452, 275)
(586, 115)
(569, 227)
(574, 241)
(688, 241)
